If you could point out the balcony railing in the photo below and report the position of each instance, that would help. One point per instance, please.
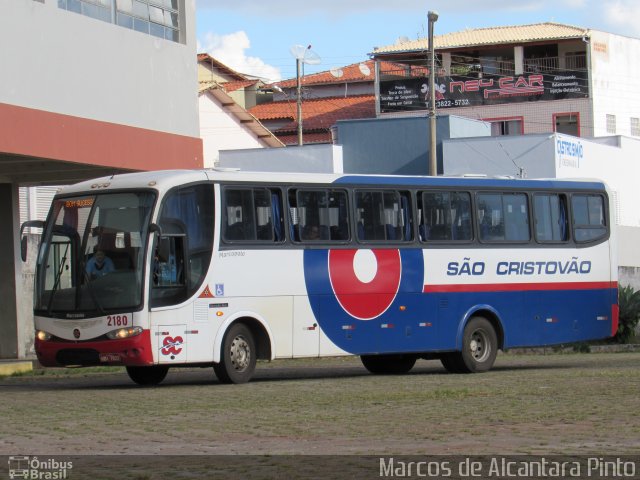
(476, 68)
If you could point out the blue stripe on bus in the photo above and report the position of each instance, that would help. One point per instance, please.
(468, 182)
(419, 321)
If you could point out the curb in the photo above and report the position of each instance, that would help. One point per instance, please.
(622, 348)
(12, 367)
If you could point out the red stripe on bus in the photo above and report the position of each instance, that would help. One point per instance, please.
(517, 287)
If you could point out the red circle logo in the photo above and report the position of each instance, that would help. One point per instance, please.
(365, 282)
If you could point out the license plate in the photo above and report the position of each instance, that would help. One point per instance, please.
(110, 357)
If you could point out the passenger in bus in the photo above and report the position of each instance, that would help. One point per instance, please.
(311, 232)
(99, 265)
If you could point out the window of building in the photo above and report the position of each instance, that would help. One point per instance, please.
(160, 18)
(506, 126)
(445, 216)
(611, 124)
(635, 126)
(503, 217)
(567, 123)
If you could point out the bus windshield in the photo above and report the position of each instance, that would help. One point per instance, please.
(92, 255)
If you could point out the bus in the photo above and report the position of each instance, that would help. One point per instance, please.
(224, 268)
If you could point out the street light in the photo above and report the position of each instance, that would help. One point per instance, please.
(433, 163)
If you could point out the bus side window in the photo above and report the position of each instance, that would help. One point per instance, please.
(550, 217)
(445, 216)
(253, 215)
(588, 217)
(319, 215)
(383, 216)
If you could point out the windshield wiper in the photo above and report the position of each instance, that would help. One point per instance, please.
(56, 282)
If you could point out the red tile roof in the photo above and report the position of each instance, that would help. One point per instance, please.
(350, 73)
(318, 116)
(319, 113)
(237, 85)
(307, 138)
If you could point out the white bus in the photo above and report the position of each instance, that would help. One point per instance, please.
(195, 268)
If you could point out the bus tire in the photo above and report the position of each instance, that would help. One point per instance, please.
(238, 356)
(388, 364)
(479, 346)
(148, 375)
(452, 362)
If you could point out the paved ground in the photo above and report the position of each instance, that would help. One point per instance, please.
(538, 404)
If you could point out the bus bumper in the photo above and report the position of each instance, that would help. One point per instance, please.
(129, 351)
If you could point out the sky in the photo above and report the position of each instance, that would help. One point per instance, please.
(255, 36)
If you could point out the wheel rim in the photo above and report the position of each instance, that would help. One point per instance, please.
(479, 346)
(240, 354)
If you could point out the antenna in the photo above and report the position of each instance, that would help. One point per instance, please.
(336, 72)
(364, 69)
(308, 56)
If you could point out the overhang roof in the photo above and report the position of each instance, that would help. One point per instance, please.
(490, 36)
(243, 116)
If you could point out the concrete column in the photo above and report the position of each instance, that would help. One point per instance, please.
(446, 63)
(518, 59)
(10, 268)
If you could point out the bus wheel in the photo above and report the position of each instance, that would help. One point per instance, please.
(479, 346)
(238, 359)
(452, 362)
(388, 364)
(147, 375)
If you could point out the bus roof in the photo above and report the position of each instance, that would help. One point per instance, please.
(163, 180)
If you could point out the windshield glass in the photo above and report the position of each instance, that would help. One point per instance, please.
(91, 258)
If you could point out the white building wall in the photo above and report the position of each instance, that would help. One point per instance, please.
(615, 73)
(537, 116)
(63, 62)
(220, 130)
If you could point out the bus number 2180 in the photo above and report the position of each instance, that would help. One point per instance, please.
(117, 321)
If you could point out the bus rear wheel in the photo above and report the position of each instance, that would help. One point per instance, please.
(479, 348)
(388, 364)
(238, 356)
(148, 375)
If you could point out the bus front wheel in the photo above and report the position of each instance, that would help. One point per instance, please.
(388, 364)
(238, 356)
(479, 349)
(148, 375)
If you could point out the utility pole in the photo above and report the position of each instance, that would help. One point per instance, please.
(299, 95)
(433, 162)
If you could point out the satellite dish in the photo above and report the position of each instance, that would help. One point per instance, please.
(402, 40)
(305, 54)
(364, 69)
(336, 72)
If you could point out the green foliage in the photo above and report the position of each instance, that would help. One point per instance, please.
(629, 303)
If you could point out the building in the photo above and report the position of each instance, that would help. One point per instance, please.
(539, 78)
(337, 94)
(612, 159)
(89, 88)
(224, 97)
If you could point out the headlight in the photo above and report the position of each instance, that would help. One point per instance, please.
(42, 335)
(124, 333)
